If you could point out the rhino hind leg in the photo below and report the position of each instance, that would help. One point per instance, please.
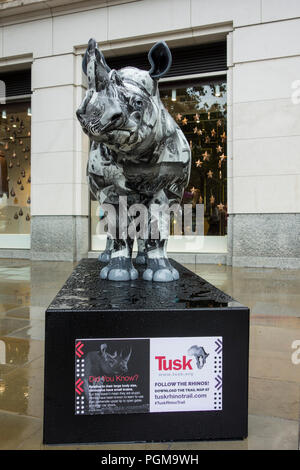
(140, 259)
(141, 254)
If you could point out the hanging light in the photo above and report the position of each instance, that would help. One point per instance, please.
(173, 95)
(4, 116)
(29, 112)
(217, 91)
(3, 176)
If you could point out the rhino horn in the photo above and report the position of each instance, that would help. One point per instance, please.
(103, 348)
(93, 53)
(126, 358)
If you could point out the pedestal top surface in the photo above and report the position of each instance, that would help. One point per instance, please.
(85, 291)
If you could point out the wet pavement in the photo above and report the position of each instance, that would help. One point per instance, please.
(273, 296)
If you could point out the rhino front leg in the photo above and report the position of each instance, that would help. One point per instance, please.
(159, 268)
(120, 267)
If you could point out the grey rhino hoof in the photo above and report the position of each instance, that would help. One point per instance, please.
(119, 269)
(104, 257)
(140, 259)
(161, 275)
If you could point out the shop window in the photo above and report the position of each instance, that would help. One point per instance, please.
(200, 109)
(15, 175)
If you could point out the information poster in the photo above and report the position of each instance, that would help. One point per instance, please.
(148, 375)
(185, 374)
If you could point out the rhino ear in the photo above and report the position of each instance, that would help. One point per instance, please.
(160, 59)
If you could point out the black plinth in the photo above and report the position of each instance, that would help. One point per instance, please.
(202, 396)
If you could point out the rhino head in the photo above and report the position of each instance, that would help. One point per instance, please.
(121, 108)
(115, 363)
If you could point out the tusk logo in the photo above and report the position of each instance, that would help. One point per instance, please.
(183, 364)
(199, 354)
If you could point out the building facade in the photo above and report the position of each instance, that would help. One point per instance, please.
(233, 89)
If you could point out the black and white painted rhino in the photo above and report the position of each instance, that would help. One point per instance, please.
(138, 151)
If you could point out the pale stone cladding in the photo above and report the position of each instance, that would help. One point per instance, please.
(263, 53)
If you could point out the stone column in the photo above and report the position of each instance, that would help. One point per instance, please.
(59, 229)
(265, 170)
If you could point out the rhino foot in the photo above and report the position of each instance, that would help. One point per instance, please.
(160, 270)
(105, 256)
(119, 269)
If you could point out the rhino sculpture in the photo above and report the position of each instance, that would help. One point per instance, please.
(138, 151)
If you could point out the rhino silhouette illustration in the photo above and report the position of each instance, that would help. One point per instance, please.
(200, 355)
(102, 362)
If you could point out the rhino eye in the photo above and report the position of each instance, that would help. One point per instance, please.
(137, 104)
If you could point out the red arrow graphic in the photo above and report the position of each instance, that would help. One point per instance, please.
(78, 388)
(78, 349)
